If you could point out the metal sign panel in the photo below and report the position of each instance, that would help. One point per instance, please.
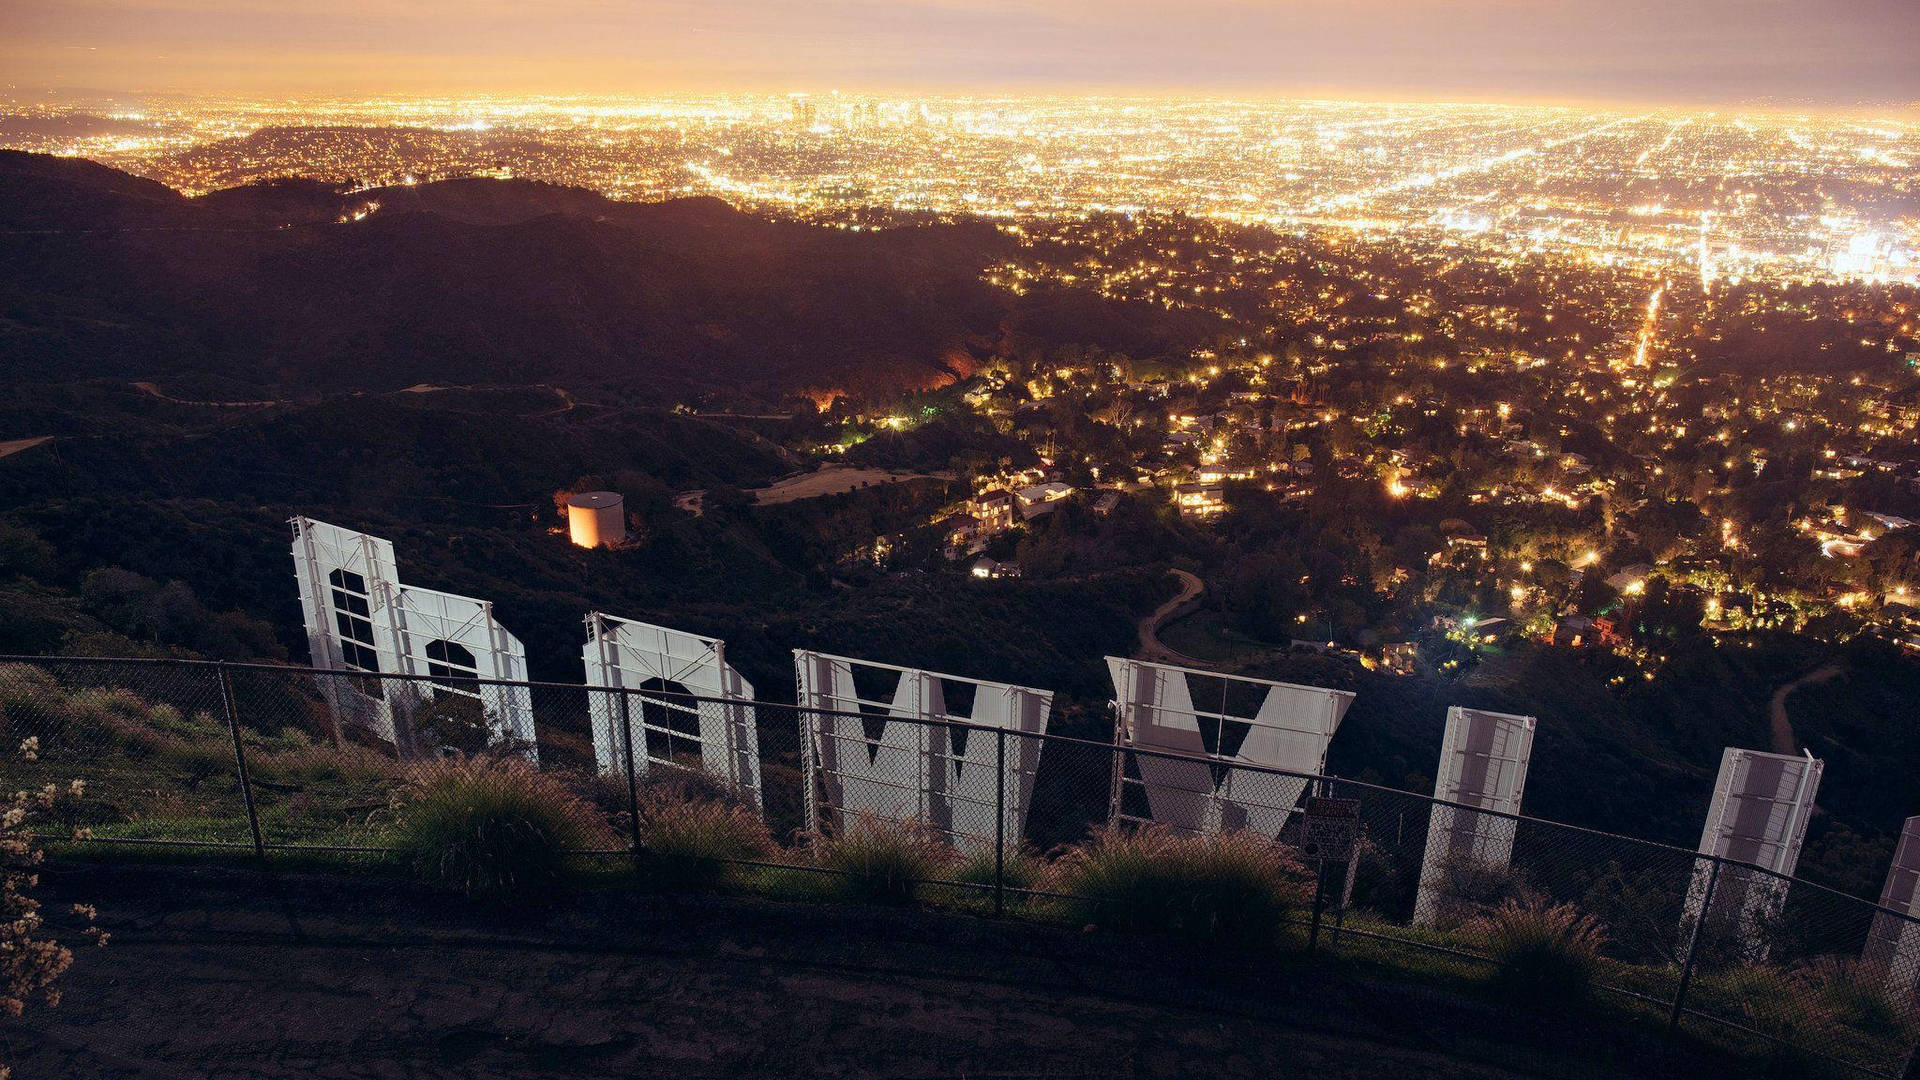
(1893, 943)
(1483, 764)
(1761, 805)
(659, 663)
(939, 769)
(453, 639)
(360, 618)
(1200, 790)
(345, 579)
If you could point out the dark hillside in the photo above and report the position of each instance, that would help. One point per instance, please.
(466, 281)
(292, 286)
(43, 192)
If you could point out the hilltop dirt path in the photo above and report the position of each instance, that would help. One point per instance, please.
(153, 389)
(813, 483)
(230, 973)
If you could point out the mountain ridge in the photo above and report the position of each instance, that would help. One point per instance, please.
(106, 274)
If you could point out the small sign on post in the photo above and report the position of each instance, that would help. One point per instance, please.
(1331, 837)
(1332, 829)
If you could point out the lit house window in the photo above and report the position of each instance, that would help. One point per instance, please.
(352, 611)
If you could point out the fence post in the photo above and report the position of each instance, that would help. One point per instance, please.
(232, 712)
(1000, 822)
(1317, 787)
(1319, 905)
(1693, 946)
(633, 785)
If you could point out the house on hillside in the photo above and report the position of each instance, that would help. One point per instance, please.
(993, 569)
(1200, 500)
(964, 533)
(994, 508)
(1041, 498)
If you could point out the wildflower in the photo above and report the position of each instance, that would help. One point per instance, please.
(29, 963)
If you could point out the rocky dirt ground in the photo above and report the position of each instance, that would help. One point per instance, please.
(224, 973)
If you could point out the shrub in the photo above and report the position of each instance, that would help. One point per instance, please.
(1380, 882)
(1777, 1004)
(1545, 956)
(31, 701)
(116, 718)
(446, 720)
(1857, 995)
(1640, 908)
(882, 861)
(1470, 888)
(354, 765)
(685, 845)
(662, 783)
(168, 720)
(491, 827)
(31, 960)
(1227, 888)
(1021, 868)
(198, 762)
(659, 785)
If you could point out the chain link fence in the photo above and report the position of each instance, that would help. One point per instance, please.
(275, 762)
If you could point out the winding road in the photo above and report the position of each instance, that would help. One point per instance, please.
(1151, 647)
(14, 446)
(1783, 740)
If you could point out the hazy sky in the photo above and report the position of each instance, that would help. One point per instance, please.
(1685, 51)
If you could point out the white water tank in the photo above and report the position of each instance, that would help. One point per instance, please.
(597, 517)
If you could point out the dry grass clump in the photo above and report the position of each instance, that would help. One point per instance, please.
(880, 861)
(696, 845)
(34, 705)
(492, 827)
(1545, 956)
(1231, 888)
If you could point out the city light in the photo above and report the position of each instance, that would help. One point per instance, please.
(1515, 181)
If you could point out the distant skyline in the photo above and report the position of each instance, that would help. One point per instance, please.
(1822, 53)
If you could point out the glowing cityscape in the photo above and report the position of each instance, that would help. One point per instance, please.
(1719, 196)
(932, 538)
(1558, 321)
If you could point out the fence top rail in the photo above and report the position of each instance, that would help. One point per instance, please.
(854, 661)
(1224, 677)
(1105, 747)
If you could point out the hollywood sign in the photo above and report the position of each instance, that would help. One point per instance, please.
(1196, 752)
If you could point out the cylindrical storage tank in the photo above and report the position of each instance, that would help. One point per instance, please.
(597, 517)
